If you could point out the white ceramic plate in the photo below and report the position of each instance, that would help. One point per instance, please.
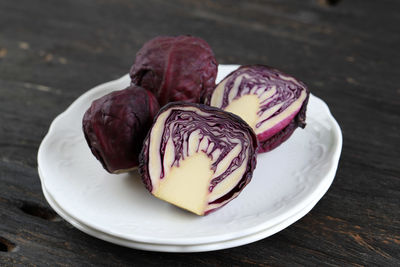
(286, 181)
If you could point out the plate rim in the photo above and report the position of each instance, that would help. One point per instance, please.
(174, 248)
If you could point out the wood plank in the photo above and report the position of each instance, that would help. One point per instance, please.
(52, 52)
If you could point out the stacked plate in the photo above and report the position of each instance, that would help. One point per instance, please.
(286, 185)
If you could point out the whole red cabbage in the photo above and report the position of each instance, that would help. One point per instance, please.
(116, 124)
(181, 68)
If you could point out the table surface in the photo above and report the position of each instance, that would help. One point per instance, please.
(347, 52)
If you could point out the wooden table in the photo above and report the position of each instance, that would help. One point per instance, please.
(348, 53)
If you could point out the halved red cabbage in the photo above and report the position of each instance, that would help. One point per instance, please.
(270, 101)
(181, 68)
(116, 124)
(197, 157)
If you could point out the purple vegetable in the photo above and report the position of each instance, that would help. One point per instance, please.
(197, 157)
(270, 101)
(179, 68)
(116, 124)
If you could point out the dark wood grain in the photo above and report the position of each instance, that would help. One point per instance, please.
(348, 53)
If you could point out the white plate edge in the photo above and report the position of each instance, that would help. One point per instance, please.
(212, 246)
